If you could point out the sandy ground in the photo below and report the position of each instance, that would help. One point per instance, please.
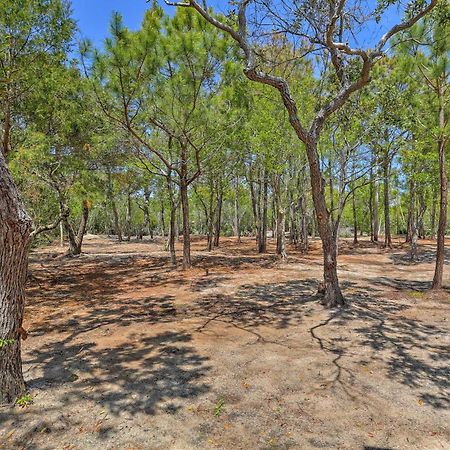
(125, 352)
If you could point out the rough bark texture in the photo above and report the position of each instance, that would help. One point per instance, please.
(333, 295)
(15, 228)
(440, 252)
(76, 241)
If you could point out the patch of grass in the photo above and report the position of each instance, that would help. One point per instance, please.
(24, 400)
(417, 294)
(218, 409)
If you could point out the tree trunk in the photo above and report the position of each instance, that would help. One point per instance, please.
(440, 251)
(236, 222)
(332, 291)
(255, 209)
(173, 218)
(263, 239)
(61, 234)
(387, 217)
(186, 226)
(376, 220)
(15, 228)
(280, 218)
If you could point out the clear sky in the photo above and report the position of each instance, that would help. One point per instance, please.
(93, 17)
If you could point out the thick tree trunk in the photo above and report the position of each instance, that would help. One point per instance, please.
(332, 292)
(440, 251)
(15, 228)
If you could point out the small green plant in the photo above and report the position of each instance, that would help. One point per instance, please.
(5, 342)
(24, 400)
(218, 409)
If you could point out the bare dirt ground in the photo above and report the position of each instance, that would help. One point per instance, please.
(125, 352)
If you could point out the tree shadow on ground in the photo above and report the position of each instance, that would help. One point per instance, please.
(139, 375)
(425, 255)
(414, 353)
(279, 305)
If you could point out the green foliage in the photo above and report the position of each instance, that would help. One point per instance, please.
(218, 408)
(24, 401)
(5, 342)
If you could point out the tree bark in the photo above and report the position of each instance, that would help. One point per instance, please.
(15, 229)
(440, 251)
(172, 221)
(387, 216)
(376, 220)
(333, 296)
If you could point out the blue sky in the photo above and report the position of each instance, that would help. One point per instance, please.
(93, 17)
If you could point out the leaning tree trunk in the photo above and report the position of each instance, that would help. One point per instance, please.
(15, 228)
(333, 295)
(440, 252)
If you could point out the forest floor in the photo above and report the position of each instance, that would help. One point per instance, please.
(125, 352)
